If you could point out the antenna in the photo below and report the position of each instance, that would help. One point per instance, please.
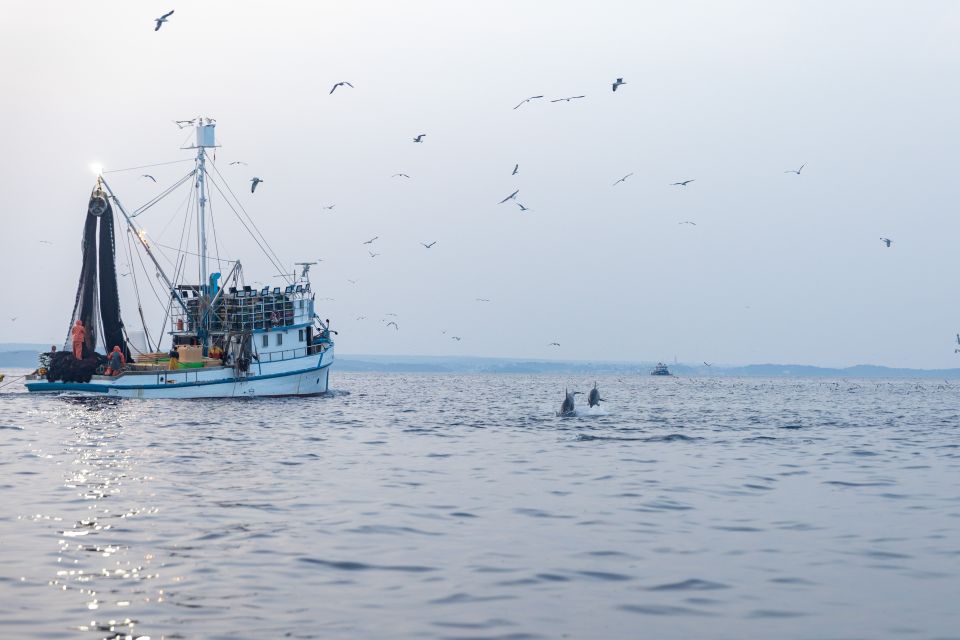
(306, 267)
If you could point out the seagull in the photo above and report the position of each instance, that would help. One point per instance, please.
(399, 175)
(567, 99)
(708, 364)
(147, 175)
(554, 344)
(523, 208)
(351, 281)
(623, 179)
(395, 326)
(14, 318)
(682, 184)
(523, 102)
(161, 20)
(516, 168)
(340, 84)
(183, 123)
(688, 222)
(238, 162)
(886, 241)
(328, 208)
(798, 170)
(253, 184)
(482, 300)
(361, 317)
(618, 83)
(372, 254)
(512, 196)
(45, 242)
(457, 338)
(370, 241)
(429, 245)
(419, 138)
(390, 314)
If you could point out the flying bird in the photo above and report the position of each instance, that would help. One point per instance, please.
(554, 344)
(361, 317)
(253, 184)
(618, 83)
(183, 123)
(340, 84)
(457, 338)
(429, 245)
(351, 281)
(482, 300)
(14, 318)
(567, 99)
(372, 254)
(623, 179)
(161, 20)
(886, 241)
(797, 171)
(512, 196)
(708, 364)
(419, 138)
(688, 222)
(523, 208)
(147, 175)
(395, 326)
(399, 175)
(45, 242)
(682, 184)
(516, 168)
(238, 162)
(523, 102)
(328, 208)
(370, 241)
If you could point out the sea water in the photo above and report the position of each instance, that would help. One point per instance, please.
(449, 506)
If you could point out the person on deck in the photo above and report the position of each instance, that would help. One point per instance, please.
(174, 362)
(116, 362)
(78, 335)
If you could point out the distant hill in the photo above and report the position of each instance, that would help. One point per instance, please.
(24, 356)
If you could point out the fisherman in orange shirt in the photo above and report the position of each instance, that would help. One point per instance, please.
(78, 333)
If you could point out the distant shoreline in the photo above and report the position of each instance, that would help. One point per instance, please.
(23, 356)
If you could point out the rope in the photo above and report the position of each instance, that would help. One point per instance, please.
(162, 195)
(11, 381)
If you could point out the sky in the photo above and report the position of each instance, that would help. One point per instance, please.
(779, 267)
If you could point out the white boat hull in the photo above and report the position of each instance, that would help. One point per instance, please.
(304, 376)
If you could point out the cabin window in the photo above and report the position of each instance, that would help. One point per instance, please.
(300, 333)
(279, 339)
(266, 340)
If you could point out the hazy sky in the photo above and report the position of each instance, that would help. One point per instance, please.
(779, 267)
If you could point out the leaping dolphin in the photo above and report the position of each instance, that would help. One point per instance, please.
(594, 398)
(567, 409)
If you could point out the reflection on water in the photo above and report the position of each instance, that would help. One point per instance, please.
(462, 507)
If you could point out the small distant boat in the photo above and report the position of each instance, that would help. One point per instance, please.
(660, 370)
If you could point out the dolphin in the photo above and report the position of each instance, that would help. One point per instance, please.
(594, 398)
(567, 409)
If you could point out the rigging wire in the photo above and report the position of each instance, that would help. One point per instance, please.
(136, 288)
(147, 166)
(261, 241)
(163, 194)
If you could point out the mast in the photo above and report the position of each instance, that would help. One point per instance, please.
(205, 139)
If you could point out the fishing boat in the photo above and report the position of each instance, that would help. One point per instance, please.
(222, 337)
(660, 370)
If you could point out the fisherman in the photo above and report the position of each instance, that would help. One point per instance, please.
(116, 362)
(78, 334)
(174, 362)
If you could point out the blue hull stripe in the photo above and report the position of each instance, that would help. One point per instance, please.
(104, 388)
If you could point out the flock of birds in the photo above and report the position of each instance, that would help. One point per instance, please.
(255, 181)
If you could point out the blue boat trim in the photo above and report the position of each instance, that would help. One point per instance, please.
(103, 388)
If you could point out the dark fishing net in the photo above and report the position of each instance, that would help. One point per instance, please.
(113, 334)
(64, 367)
(85, 305)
